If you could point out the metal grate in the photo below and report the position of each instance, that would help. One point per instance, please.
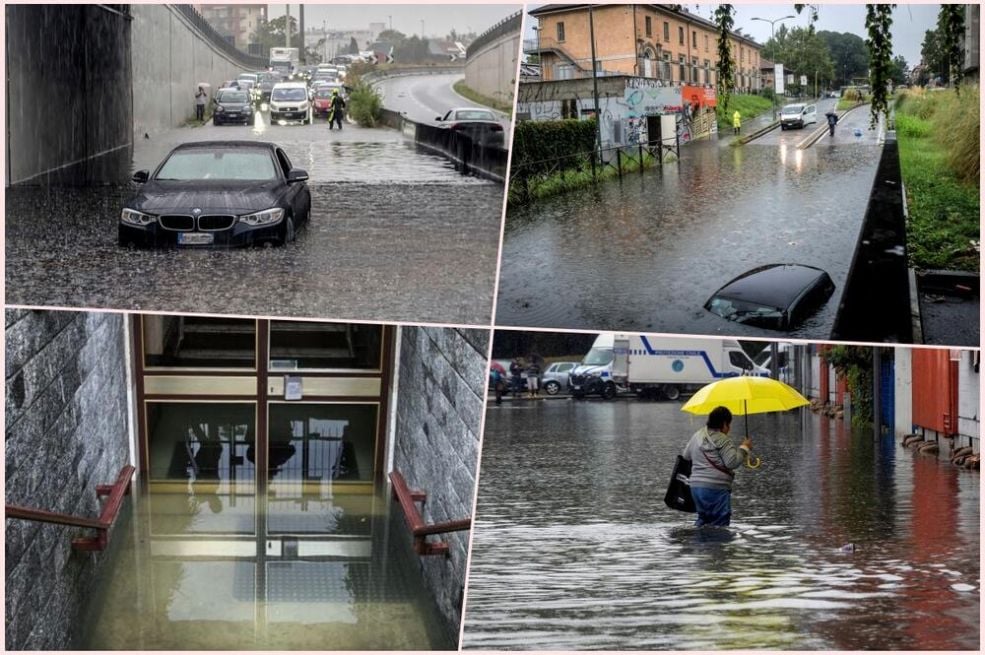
(177, 222)
(214, 223)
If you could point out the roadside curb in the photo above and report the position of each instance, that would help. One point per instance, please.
(743, 140)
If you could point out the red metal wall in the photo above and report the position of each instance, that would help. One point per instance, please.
(935, 390)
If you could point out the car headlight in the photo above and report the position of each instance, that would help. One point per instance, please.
(133, 217)
(266, 217)
(220, 109)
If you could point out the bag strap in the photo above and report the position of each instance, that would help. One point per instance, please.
(724, 470)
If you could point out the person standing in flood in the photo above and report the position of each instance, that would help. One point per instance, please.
(200, 99)
(714, 458)
(736, 122)
(337, 110)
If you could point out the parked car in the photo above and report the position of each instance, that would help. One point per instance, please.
(797, 115)
(480, 124)
(265, 86)
(217, 193)
(554, 379)
(776, 297)
(232, 106)
(289, 101)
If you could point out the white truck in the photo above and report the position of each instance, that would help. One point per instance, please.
(652, 366)
(285, 60)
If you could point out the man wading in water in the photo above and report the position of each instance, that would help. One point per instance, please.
(714, 459)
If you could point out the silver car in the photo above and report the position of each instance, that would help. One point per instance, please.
(554, 379)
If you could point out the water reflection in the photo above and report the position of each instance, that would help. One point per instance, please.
(646, 252)
(574, 549)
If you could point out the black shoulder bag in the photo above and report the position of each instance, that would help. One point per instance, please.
(679, 490)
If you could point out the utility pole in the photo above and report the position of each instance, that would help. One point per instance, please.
(595, 91)
(303, 59)
(773, 53)
(287, 27)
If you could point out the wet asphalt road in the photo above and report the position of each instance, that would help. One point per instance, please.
(396, 234)
(645, 253)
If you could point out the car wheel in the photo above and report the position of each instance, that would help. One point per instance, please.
(671, 392)
(609, 391)
(552, 387)
(289, 232)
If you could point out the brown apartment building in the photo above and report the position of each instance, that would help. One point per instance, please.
(645, 40)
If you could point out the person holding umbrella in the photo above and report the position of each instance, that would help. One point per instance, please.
(832, 121)
(714, 458)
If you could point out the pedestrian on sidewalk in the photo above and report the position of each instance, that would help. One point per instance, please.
(714, 459)
(736, 122)
(533, 375)
(200, 99)
(832, 121)
(516, 376)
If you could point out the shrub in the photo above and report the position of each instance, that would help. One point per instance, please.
(957, 129)
(545, 146)
(365, 105)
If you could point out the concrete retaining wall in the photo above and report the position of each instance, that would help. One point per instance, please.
(66, 432)
(68, 94)
(173, 58)
(969, 396)
(436, 447)
(492, 70)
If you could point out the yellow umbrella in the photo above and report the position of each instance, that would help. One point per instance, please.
(745, 395)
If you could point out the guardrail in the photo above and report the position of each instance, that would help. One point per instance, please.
(415, 521)
(246, 60)
(511, 23)
(102, 525)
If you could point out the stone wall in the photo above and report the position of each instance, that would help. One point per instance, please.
(66, 431)
(492, 70)
(436, 444)
(68, 97)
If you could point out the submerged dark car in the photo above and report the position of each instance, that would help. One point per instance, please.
(479, 124)
(776, 297)
(218, 193)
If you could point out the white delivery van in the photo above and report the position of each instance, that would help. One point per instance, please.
(652, 366)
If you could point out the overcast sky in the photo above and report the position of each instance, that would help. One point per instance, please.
(439, 20)
(910, 22)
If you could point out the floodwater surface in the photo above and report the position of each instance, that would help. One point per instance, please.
(395, 234)
(181, 578)
(645, 253)
(573, 547)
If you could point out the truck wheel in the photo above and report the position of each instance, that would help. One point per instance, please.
(671, 392)
(609, 391)
(552, 387)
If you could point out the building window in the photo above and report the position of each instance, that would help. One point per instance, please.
(649, 26)
(706, 43)
(683, 66)
(666, 31)
(560, 31)
(694, 39)
(680, 35)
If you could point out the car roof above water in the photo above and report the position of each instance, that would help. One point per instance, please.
(776, 285)
(204, 145)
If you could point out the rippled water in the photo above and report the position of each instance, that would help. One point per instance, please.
(647, 252)
(396, 234)
(574, 549)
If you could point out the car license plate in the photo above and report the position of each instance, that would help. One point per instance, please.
(195, 239)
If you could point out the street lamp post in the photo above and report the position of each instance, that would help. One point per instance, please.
(773, 53)
(595, 91)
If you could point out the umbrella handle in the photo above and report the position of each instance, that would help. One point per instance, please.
(753, 465)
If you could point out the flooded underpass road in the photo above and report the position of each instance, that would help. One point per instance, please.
(645, 253)
(573, 547)
(396, 234)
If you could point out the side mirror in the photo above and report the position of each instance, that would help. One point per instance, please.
(297, 175)
(141, 176)
(438, 118)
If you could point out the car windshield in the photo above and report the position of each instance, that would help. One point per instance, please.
(793, 109)
(741, 311)
(323, 93)
(228, 164)
(289, 94)
(598, 357)
(474, 115)
(232, 96)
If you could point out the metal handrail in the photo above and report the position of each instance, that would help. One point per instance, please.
(415, 521)
(102, 525)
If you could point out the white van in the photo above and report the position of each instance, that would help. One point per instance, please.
(289, 102)
(797, 115)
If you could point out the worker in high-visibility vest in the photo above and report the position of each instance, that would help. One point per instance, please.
(736, 122)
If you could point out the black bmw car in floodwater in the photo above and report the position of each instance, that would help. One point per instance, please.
(218, 193)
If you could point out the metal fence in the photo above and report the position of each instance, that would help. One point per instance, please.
(205, 28)
(509, 24)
